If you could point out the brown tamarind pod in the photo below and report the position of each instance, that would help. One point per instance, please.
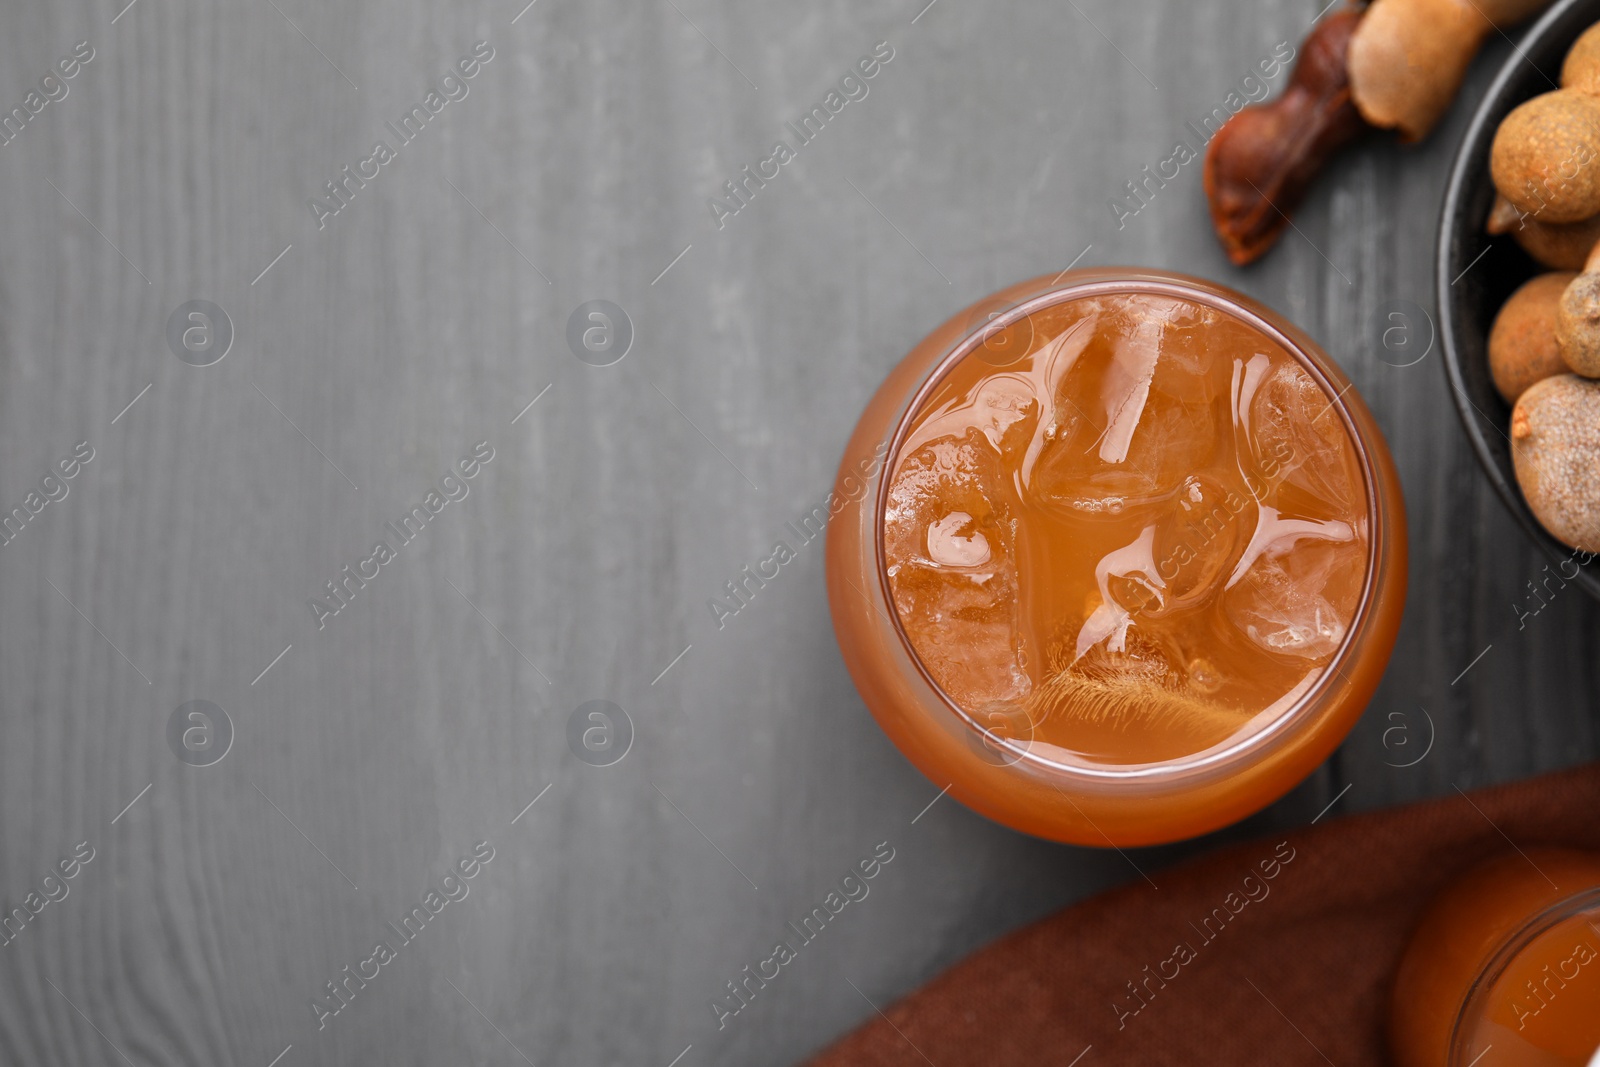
(1555, 449)
(1577, 326)
(1522, 342)
(1408, 58)
(1557, 245)
(1581, 70)
(1260, 164)
(1543, 155)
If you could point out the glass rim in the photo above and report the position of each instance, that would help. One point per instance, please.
(1510, 947)
(1217, 298)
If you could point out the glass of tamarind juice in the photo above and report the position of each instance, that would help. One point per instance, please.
(1504, 968)
(1121, 556)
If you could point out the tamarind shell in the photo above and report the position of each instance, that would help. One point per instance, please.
(1577, 325)
(1555, 449)
(1557, 245)
(1260, 165)
(1522, 342)
(1543, 159)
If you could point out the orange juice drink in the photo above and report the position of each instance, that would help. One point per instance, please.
(1504, 969)
(1130, 562)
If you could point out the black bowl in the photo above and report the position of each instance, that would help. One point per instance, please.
(1477, 272)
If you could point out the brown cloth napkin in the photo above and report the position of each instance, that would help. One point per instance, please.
(1289, 969)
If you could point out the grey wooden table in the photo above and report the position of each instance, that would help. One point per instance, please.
(367, 352)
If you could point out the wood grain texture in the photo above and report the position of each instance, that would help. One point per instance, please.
(422, 319)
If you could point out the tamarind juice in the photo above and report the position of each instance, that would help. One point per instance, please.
(1144, 533)
(1504, 969)
(1123, 536)
(1545, 1008)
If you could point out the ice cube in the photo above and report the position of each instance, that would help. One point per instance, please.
(954, 541)
(954, 474)
(964, 627)
(1133, 415)
(952, 567)
(1293, 438)
(1126, 387)
(1295, 588)
(1197, 538)
(1129, 584)
(1004, 409)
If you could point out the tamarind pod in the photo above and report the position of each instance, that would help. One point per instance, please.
(1581, 69)
(1408, 58)
(1578, 325)
(1578, 319)
(1557, 245)
(1261, 162)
